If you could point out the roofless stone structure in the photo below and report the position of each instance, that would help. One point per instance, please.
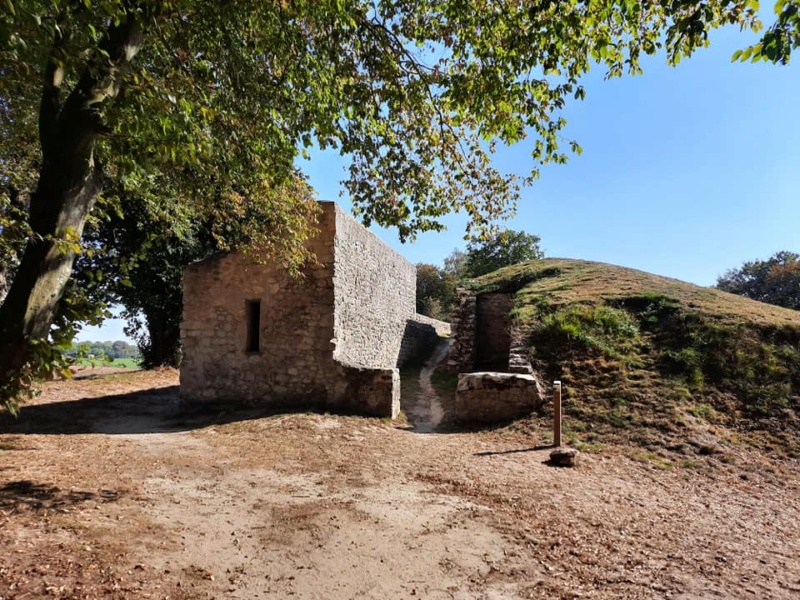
(336, 338)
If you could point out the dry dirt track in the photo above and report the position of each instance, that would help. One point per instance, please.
(108, 491)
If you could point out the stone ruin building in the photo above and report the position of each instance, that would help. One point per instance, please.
(252, 333)
(495, 379)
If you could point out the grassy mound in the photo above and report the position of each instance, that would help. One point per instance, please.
(655, 361)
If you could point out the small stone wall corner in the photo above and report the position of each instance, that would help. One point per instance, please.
(367, 391)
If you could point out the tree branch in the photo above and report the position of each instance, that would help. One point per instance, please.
(101, 81)
(50, 106)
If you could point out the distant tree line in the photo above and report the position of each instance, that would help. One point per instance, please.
(102, 350)
(436, 286)
(774, 281)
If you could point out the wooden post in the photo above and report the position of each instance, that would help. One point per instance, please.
(557, 414)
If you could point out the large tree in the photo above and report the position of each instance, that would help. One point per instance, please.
(775, 280)
(416, 93)
(436, 291)
(507, 247)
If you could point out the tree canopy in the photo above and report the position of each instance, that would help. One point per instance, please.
(217, 100)
(436, 291)
(775, 280)
(436, 286)
(505, 248)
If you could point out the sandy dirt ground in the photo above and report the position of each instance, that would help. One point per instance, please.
(109, 489)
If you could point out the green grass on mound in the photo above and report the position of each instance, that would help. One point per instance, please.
(655, 361)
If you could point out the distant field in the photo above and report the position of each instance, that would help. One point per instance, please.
(127, 363)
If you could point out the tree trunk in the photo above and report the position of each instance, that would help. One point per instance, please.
(65, 194)
(28, 310)
(164, 348)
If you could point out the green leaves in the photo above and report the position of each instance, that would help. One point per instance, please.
(205, 124)
(500, 250)
(779, 40)
(417, 94)
(775, 280)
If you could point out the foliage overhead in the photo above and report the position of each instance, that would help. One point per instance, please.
(414, 92)
(226, 96)
(436, 286)
(779, 39)
(775, 280)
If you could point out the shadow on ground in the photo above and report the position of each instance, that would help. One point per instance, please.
(158, 410)
(40, 496)
(516, 450)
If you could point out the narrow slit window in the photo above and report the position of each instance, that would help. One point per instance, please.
(253, 310)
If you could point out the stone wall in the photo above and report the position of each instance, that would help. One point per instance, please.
(332, 339)
(493, 331)
(496, 397)
(462, 349)
(466, 348)
(442, 328)
(368, 391)
(420, 338)
(294, 361)
(374, 294)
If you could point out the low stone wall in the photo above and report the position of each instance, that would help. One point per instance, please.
(490, 397)
(374, 392)
(420, 338)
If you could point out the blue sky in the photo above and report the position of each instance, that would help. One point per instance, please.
(685, 172)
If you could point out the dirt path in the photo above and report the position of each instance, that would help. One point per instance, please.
(125, 496)
(429, 412)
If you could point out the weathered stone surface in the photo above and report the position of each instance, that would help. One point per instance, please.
(441, 328)
(421, 336)
(487, 397)
(349, 312)
(493, 331)
(462, 348)
(564, 457)
(368, 391)
(374, 293)
(484, 333)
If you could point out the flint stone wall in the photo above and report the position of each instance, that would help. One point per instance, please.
(332, 339)
(489, 397)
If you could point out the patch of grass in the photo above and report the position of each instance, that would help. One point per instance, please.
(514, 278)
(127, 363)
(654, 460)
(444, 381)
(702, 411)
(600, 328)
(588, 447)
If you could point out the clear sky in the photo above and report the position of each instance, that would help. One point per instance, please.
(685, 172)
